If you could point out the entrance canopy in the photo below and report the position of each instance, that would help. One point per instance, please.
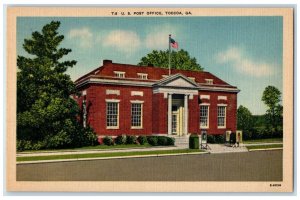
(176, 84)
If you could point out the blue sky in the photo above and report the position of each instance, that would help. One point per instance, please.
(244, 51)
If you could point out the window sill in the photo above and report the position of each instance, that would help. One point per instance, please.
(137, 128)
(221, 127)
(112, 127)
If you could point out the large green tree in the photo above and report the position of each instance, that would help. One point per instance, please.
(46, 115)
(245, 121)
(272, 98)
(179, 60)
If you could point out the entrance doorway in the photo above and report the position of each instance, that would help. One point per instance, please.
(177, 114)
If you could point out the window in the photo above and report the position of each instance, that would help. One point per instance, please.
(209, 81)
(136, 115)
(142, 76)
(119, 74)
(204, 114)
(221, 116)
(112, 115)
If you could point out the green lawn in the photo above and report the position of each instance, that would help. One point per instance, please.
(270, 146)
(110, 154)
(122, 146)
(269, 140)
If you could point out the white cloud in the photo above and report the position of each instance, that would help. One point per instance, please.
(121, 40)
(84, 35)
(157, 37)
(237, 57)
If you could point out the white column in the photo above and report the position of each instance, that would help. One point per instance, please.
(186, 115)
(169, 114)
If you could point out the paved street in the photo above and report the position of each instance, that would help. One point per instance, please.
(243, 166)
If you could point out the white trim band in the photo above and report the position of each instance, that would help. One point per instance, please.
(112, 100)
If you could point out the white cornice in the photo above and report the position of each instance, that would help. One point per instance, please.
(150, 84)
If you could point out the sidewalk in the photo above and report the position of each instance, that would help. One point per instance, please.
(88, 151)
(221, 148)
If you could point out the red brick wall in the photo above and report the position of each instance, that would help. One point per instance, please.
(193, 125)
(155, 111)
(160, 114)
(96, 95)
(231, 110)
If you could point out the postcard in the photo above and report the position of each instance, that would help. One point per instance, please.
(149, 99)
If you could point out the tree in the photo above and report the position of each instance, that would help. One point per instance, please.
(272, 98)
(179, 60)
(46, 115)
(245, 121)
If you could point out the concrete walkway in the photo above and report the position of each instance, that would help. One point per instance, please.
(89, 151)
(221, 148)
(213, 148)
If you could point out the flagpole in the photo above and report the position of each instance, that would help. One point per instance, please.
(169, 54)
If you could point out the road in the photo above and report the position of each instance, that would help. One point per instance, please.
(245, 166)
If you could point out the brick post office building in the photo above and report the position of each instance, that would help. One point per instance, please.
(145, 100)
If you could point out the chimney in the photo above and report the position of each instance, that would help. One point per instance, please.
(150, 65)
(107, 62)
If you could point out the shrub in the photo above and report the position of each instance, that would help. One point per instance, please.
(162, 140)
(142, 139)
(194, 141)
(108, 141)
(152, 140)
(131, 139)
(170, 141)
(211, 139)
(219, 139)
(29, 145)
(121, 139)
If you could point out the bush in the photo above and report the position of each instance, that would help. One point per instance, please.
(142, 139)
(29, 145)
(162, 140)
(211, 139)
(121, 139)
(131, 139)
(170, 141)
(152, 140)
(108, 141)
(194, 141)
(219, 139)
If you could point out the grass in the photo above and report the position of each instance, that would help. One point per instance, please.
(269, 140)
(270, 146)
(103, 155)
(122, 146)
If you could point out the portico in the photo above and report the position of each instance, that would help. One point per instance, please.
(178, 90)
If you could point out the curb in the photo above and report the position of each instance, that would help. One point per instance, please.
(266, 149)
(109, 158)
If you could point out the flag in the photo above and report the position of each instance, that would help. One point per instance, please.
(174, 44)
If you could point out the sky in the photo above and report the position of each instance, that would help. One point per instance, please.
(243, 51)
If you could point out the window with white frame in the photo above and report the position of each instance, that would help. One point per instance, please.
(142, 76)
(119, 74)
(204, 116)
(136, 115)
(112, 114)
(221, 116)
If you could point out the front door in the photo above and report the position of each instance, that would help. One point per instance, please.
(177, 120)
(175, 116)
